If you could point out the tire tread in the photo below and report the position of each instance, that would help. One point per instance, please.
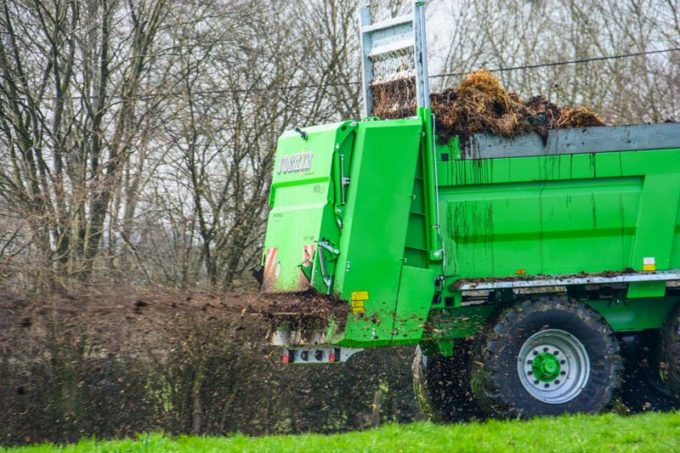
(485, 371)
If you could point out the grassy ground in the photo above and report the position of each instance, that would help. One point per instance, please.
(647, 432)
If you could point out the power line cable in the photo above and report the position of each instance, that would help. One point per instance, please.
(357, 82)
(566, 62)
(450, 74)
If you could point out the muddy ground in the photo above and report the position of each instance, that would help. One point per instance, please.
(113, 363)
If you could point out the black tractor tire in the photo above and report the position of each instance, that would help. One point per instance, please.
(670, 352)
(543, 327)
(442, 387)
(643, 387)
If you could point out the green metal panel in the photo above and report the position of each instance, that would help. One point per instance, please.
(639, 290)
(557, 215)
(653, 221)
(416, 288)
(417, 252)
(375, 223)
(635, 315)
(302, 202)
(561, 215)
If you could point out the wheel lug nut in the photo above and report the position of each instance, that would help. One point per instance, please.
(557, 381)
(563, 373)
(545, 349)
(530, 373)
(529, 362)
(535, 352)
(536, 382)
(546, 385)
(563, 362)
(556, 352)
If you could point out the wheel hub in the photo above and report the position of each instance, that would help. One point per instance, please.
(546, 367)
(553, 366)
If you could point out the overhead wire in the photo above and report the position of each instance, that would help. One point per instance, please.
(358, 82)
(566, 62)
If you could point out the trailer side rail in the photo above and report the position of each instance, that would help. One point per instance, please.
(511, 283)
(638, 137)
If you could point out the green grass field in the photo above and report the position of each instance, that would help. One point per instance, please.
(648, 432)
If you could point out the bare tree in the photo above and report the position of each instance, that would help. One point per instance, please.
(244, 80)
(71, 75)
(138, 137)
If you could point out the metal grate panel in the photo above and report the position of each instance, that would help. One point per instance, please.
(394, 52)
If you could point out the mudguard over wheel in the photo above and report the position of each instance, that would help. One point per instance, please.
(442, 386)
(670, 352)
(547, 356)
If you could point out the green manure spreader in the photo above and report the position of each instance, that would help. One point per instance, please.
(522, 269)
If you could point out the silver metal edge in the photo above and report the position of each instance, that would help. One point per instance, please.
(565, 281)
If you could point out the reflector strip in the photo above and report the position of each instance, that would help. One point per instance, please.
(307, 254)
(270, 260)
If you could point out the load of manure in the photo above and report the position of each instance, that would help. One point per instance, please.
(480, 104)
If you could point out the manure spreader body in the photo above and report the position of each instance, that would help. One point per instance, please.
(520, 268)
